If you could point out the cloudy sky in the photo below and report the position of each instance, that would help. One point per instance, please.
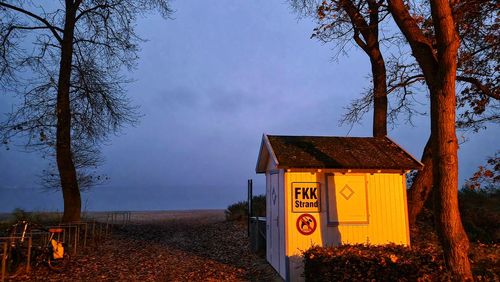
(209, 83)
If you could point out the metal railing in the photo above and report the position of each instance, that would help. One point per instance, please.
(77, 236)
(119, 217)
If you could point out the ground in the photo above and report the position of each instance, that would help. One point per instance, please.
(484, 258)
(202, 246)
(168, 246)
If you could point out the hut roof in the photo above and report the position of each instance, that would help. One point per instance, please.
(334, 152)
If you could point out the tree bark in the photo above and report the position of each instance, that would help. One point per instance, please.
(421, 186)
(65, 164)
(445, 145)
(379, 93)
(370, 45)
(439, 69)
(445, 177)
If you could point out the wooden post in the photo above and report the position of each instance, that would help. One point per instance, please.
(99, 228)
(249, 204)
(69, 236)
(94, 241)
(85, 235)
(106, 232)
(77, 231)
(28, 259)
(4, 260)
(64, 235)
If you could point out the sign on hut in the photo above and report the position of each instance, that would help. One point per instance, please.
(332, 190)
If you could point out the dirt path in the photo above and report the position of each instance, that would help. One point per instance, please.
(186, 247)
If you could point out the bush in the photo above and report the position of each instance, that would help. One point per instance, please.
(239, 210)
(480, 212)
(19, 214)
(372, 263)
(40, 217)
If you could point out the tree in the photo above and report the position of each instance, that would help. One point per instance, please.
(439, 70)
(478, 100)
(86, 157)
(70, 81)
(345, 20)
(478, 94)
(341, 20)
(478, 70)
(364, 17)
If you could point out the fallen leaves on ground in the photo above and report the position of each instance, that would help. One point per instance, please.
(187, 249)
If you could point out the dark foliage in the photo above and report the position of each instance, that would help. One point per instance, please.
(239, 210)
(480, 211)
(373, 263)
(478, 216)
(487, 176)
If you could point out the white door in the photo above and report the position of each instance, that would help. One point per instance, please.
(274, 224)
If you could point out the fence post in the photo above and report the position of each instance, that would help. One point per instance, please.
(4, 260)
(85, 235)
(77, 233)
(28, 259)
(250, 209)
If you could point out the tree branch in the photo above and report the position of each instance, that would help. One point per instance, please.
(52, 28)
(474, 81)
(408, 81)
(477, 83)
(421, 46)
(83, 13)
(359, 41)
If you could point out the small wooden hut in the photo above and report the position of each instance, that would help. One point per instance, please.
(329, 191)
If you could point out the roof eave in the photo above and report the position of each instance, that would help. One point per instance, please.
(349, 168)
(261, 166)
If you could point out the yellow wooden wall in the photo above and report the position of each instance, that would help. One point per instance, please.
(387, 212)
(297, 242)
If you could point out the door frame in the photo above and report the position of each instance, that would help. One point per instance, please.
(274, 201)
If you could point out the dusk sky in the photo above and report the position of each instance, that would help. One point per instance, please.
(209, 83)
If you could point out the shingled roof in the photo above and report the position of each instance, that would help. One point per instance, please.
(334, 152)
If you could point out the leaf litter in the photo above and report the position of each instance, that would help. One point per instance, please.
(186, 248)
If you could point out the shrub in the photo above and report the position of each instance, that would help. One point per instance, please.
(239, 210)
(20, 214)
(372, 263)
(39, 217)
(480, 212)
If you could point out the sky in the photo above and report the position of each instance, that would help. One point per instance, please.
(209, 82)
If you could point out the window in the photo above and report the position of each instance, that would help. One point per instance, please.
(347, 199)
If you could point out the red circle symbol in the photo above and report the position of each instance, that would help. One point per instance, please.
(306, 224)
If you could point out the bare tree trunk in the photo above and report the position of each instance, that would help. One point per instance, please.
(379, 93)
(440, 74)
(370, 44)
(421, 186)
(65, 165)
(445, 145)
(445, 176)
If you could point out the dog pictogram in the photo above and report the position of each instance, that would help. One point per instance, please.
(306, 224)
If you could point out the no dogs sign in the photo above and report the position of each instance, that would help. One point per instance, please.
(306, 224)
(306, 197)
